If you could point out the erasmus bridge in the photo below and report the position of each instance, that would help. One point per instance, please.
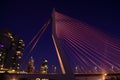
(84, 53)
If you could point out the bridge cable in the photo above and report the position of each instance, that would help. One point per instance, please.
(39, 35)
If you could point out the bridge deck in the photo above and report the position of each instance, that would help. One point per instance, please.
(50, 76)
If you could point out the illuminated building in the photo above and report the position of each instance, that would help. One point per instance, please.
(44, 67)
(11, 50)
(31, 68)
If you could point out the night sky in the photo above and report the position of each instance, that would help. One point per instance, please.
(25, 18)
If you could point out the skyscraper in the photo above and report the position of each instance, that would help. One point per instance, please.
(31, 67)
(44, 67)
(11, 50)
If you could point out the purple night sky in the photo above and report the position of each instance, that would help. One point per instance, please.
(25, 18)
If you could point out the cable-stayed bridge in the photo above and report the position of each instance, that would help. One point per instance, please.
(82, 51)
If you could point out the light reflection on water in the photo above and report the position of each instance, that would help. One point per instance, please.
(90, 78)
(99, 78)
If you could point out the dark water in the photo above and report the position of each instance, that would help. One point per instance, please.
(99, 78)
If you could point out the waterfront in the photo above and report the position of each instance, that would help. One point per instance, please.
(26, 76)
